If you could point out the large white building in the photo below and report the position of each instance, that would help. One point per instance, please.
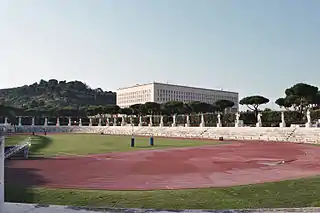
(161, 93)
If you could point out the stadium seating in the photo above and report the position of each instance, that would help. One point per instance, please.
(297, 134)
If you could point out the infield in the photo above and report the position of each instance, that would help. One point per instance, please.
(82, 144)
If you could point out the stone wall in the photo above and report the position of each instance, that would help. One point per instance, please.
(298, 134)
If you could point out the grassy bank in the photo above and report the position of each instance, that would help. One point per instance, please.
(297, 193)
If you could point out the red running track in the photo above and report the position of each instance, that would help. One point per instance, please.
(209, 166)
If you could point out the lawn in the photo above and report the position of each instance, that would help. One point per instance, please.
(297, 193)
(62, 144)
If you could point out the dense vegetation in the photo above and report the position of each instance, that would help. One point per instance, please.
(51, 94)
(75, 99)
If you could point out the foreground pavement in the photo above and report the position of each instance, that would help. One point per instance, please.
(34, 208)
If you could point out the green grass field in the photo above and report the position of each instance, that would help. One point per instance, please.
(61, 144)
(296, 193)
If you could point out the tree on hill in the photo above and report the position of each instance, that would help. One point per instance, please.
(283, 102)
(152, 108)
(125, 111)
(300, 96)
(222, 105)
(253, 102)
(137, 109)
(172, 107)
(56, 94)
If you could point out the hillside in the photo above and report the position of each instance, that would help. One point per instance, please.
(53, 93)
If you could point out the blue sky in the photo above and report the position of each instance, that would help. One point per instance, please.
(248, 46)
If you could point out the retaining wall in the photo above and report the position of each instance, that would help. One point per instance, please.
(298, 134)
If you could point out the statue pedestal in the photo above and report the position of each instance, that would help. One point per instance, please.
(202, 125)
(187, 125)
(258, 124)
(282, 124)
(219, 125)
(236, 124)
(308, 125)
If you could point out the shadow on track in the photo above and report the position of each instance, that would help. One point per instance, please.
(18, 180)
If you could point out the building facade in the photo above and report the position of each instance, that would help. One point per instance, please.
(162, 93)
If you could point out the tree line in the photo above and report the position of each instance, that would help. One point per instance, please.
(297, 100)
(148, 108)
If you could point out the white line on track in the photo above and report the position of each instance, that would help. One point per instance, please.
(82, 156)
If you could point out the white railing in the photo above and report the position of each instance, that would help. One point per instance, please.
(23, 145)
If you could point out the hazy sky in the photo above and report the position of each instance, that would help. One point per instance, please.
(248, 46)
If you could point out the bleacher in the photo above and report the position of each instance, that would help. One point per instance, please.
(292, 134)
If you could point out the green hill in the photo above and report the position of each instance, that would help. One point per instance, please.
(55, 94)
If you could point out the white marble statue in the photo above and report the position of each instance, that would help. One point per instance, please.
(19, 123)
(140, 120)
(308, 124)
(282, 117)
(161, 121)
(123, 122)
(202, 124)
(236, 123)
(58, 122)
(90, 122)
(308, 116)
(114, 121)
(219, 124)
(237, 117)
(259, 122)
(99, 122)
(80, 122)
(188, 121)
(6, 121)
(174, 120)
(259, 118)
(69, 121)
(45, 121)
(283, 122)
(108, 122)
(150, 121)
(33, 121)
(131, 121)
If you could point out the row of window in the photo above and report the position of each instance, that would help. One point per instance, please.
(162, 93)
(134, 99)
(139, 92)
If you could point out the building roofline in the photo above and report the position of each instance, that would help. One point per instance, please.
(136, 85)
(190, 87)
